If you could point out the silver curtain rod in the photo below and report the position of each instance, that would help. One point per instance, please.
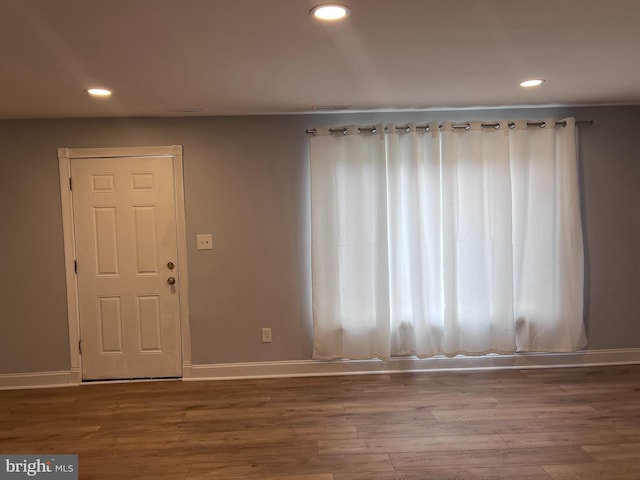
(455, 126)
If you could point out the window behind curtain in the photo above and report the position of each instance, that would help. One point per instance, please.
(446, 241)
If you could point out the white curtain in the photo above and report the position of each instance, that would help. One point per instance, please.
(451, 241)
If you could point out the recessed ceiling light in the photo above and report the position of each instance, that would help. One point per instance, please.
(532, 83)
(99, 92)
(330, 11)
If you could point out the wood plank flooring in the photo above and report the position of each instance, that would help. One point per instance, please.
(561, 424)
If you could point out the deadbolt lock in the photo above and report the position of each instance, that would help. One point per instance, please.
(170, 265)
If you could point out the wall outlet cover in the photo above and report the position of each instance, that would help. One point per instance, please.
(266, 335)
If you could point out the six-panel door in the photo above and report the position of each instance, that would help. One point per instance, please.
(125, 233)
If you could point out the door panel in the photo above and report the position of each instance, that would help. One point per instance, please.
(145, 240)
(106, 241)
(125, 231)
(110, 322)
(150, 323)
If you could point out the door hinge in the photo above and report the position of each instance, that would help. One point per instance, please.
(80, 346)
(70, 184)
(75, 266)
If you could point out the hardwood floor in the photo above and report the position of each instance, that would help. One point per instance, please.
(579, 423)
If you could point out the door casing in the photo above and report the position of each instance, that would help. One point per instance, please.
(65, 155)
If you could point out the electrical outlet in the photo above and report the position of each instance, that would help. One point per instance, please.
(266, 335)
(204, 241)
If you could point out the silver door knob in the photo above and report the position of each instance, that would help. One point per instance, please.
(171, 280)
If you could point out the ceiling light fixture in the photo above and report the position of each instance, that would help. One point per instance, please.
(99, 92)
(330, 11)
(532, 83)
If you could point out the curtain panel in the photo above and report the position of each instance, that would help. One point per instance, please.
(448, 241)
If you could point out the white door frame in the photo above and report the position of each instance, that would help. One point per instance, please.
(65, 155)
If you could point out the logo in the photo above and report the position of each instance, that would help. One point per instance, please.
(54, 467)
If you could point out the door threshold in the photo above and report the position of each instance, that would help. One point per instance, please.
(129, 380)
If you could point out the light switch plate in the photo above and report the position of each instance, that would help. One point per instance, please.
(204, 241)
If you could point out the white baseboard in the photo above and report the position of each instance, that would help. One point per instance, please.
(64, 378)
(310, 368)
(307, 368)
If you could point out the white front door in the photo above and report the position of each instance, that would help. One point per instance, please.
(126, 249)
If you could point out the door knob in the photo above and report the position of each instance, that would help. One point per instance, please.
(171, 280)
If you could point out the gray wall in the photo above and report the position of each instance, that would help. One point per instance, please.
(246, 181)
